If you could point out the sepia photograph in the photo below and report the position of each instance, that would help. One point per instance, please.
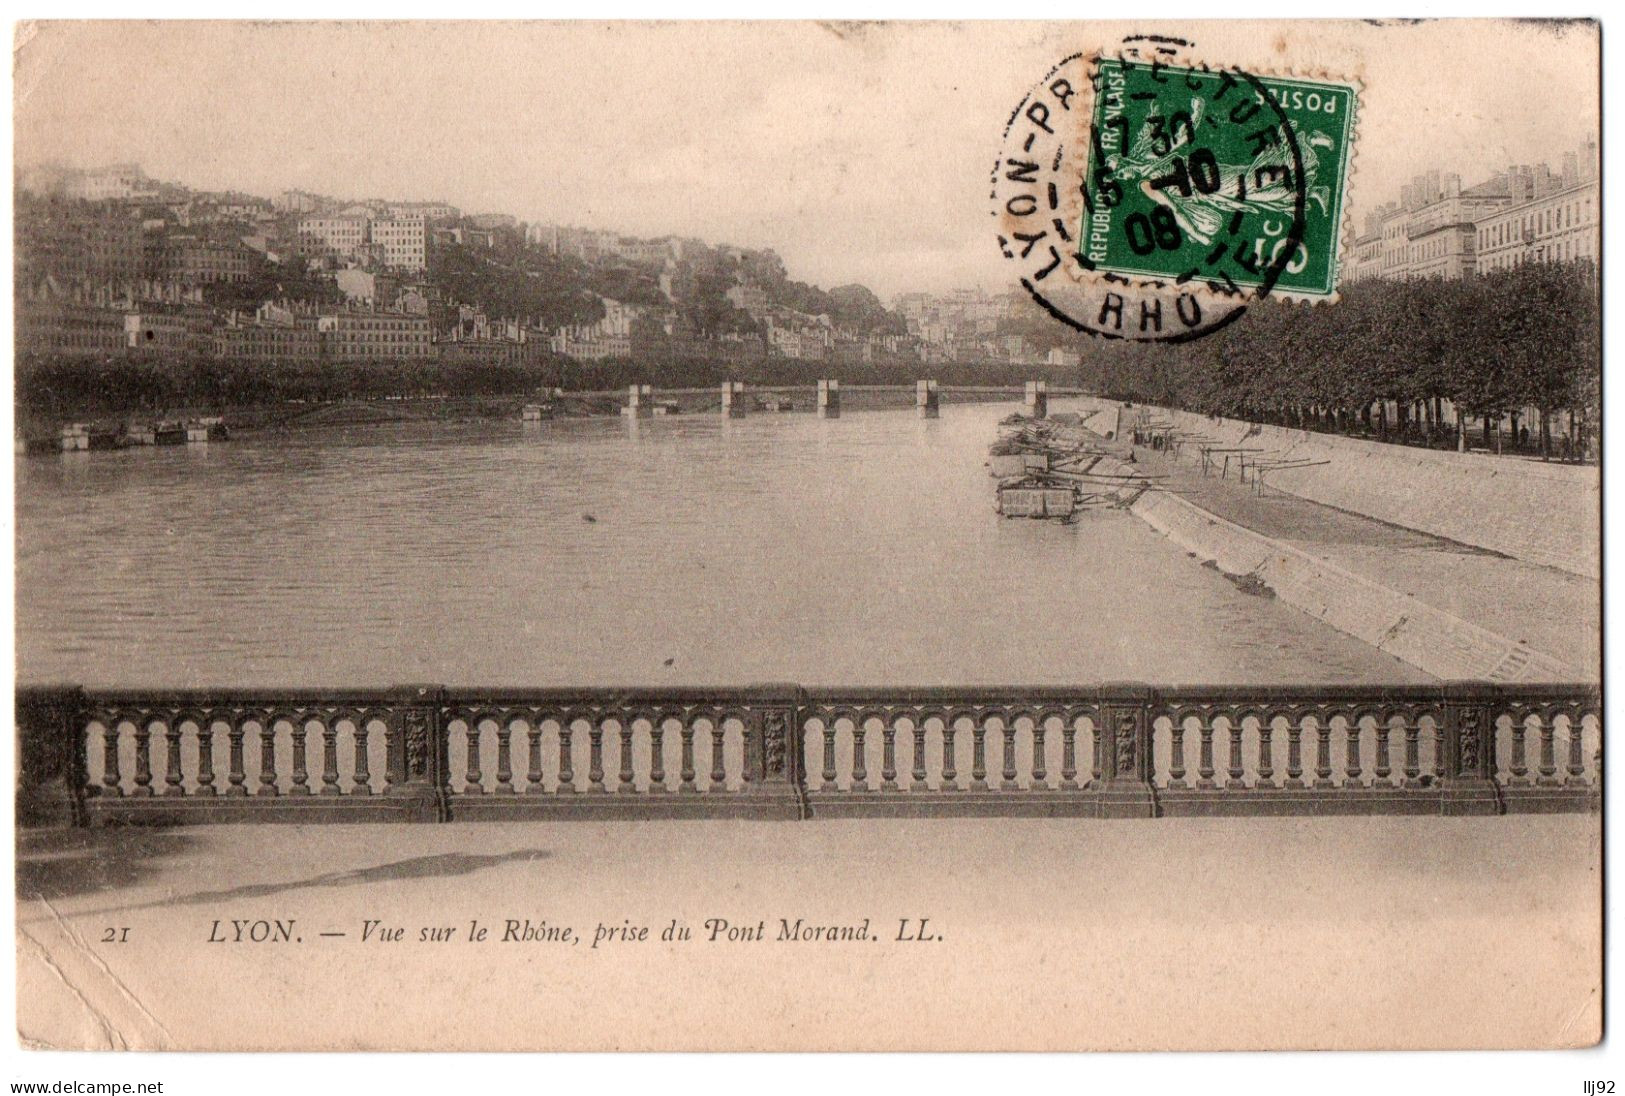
(805, 536)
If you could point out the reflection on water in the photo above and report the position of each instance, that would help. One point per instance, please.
(685, 550)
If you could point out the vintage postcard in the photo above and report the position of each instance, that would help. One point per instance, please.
(804, 536)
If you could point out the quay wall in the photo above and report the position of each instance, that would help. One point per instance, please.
(1430, 639)
(1542, 513)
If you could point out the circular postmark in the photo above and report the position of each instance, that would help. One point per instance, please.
(1146, 196)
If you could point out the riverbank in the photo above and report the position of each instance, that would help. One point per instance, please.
(1449, 609)
(1544, 513)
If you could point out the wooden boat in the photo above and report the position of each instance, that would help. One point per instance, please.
(1037, 497)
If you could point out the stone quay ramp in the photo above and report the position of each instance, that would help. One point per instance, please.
(1450, 609)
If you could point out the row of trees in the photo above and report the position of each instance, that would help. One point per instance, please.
(1491, 345)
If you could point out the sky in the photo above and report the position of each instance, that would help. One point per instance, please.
(860, 152)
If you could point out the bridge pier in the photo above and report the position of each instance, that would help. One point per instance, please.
(1037, 399)
(926, 399)
(639, 401)
(829, 399)
(733, 400)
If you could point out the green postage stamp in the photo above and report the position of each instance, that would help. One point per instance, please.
(1217, 176)
(1144, 194)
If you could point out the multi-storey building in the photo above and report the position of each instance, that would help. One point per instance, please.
(191, 260)
(1441, 240)
(273, 335)
(590, 345)
(174, 332)
(429, 211)
(1559, 219)
(78, 243)
(374, 336)
(68, 328)
(337, 236)
(297, 201)
(1523, 214)
(356, 235)
(116, 182)
(402, 242)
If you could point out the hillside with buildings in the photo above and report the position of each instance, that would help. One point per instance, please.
(113, 266)
(225, 294)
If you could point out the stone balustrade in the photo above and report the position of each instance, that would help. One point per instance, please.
(428, 753)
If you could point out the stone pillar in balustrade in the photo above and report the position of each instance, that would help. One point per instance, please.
(1468, 781)
(51, 768)
(775, 768)
(1123, 752)
(419, 761)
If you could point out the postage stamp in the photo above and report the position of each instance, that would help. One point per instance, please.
(1149, 196)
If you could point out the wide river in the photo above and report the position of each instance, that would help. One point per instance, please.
(688, 550)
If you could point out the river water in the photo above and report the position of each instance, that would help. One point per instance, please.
(688, 550)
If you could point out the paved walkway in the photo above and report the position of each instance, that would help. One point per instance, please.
(1553, 611)
(1043, 934)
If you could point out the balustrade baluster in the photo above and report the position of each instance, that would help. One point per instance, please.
(1204, 762)
(268, 786)
(330, 757)
(719, 775)
(1382, 770)
(1518, 772)
(361, 783)
(860, 766)
(687, 784)
(567, 772)
(172, 758)
(301, 778)
(143, 761)
(626, 785)
(918, 784)
(978, 757)
(950, 774)
(1548, 755)
(1351, 737)
(505, 756)
(595, 759)
(1577, 766)
(1294, 751)
(888, 756)
(1039, 761)
(1176, 753)
(236, 777)
(1266, 753)
(1413, 751)
(829, 758)
(474, 780)
(1323, 753)
(112, 781)
(205, 757)
(1009, 783)
(657, 757)
(1236, 772)
(1069, 755)
(533, 773)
